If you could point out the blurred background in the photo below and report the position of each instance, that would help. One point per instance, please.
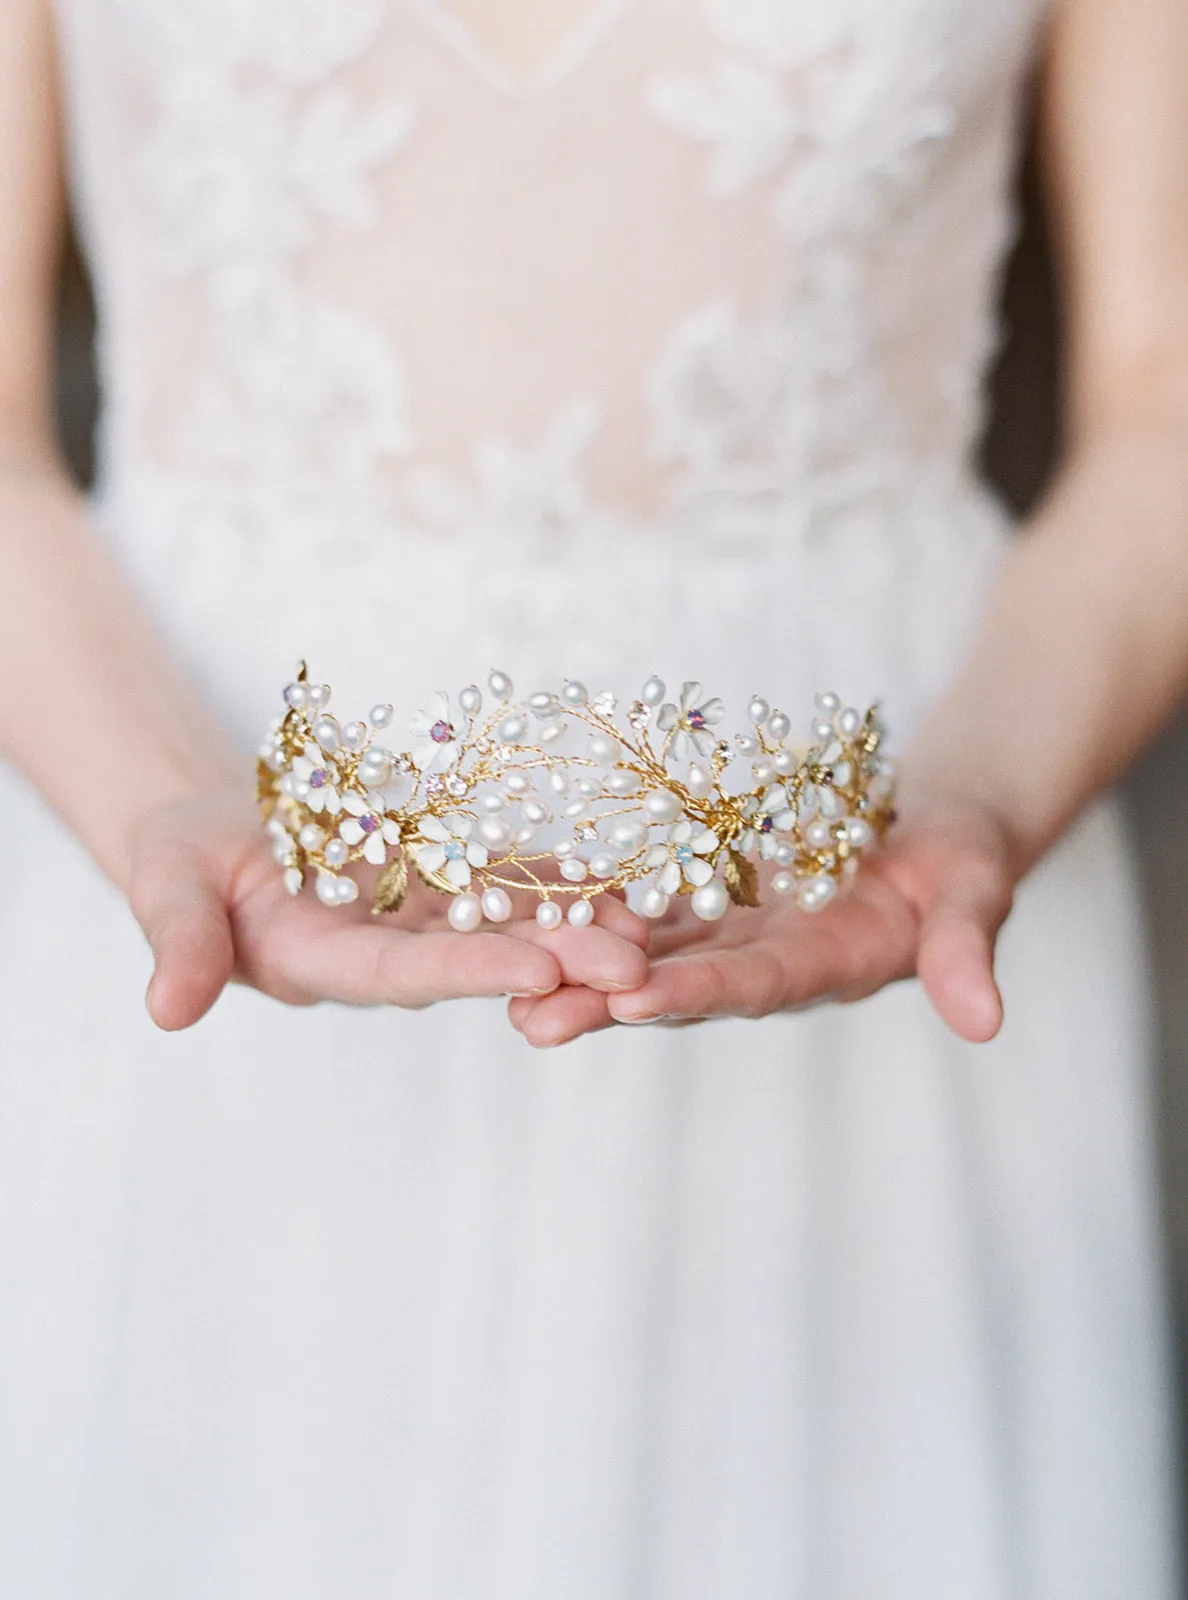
(1021, 445)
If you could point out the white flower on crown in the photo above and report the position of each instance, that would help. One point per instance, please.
(318, 771)
(773, 817)
(690, 722)
(451, 851)
(365, 825)
(437, 740)
(683, 856)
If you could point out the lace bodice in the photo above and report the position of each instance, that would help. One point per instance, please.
(366, 274)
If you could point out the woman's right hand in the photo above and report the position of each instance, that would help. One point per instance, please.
(208, 894)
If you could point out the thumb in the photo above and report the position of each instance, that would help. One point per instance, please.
(176, 900)
(955, 960)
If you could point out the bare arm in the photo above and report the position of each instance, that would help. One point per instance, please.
(168, 815)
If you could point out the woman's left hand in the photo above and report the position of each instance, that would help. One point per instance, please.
(928, 904)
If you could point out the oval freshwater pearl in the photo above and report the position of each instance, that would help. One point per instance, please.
(490, 803)
(588, 788)
(354, 735)
(627, 835)
(819, 834)
(337, 853)
(574, 871)
(858, 831)
(297, 696)
(525, 836)
(471, 699)
(758, 711)
(604, 748)
(784, 855)
(815, 892)
(326, 888)
(821, 730)
(603, 864)
(621, 782)
(581, 914)
(575, 693)
(552, 731)
(849, 722)
(710, 901)
(544, 704)
(778, 725)
(496, 903)
(785, 762)
(311, 836)
(662, 805)
(559, 782)
(380, 716)
(319, 695)
(654, 903)
(495, 832)
(764, 770)
(348, 890)
(829, 704)
(565, 849)
(783, 883)
(519, 782)
(575, 809)
(500, 685)
(699, 781)
(548, 914)
(512, 729)
(533, 811)
(465, 913)
(326, 732)
(653, 691)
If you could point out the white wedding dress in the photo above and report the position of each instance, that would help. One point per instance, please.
(650, 340)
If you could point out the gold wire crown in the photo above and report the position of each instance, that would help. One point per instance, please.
(480, 810)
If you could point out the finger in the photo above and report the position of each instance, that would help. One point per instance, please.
(592, 956)
(560, 1017)
(367, 965)
(956, 960)
(616, 916)
(747, 982)
(189, 932)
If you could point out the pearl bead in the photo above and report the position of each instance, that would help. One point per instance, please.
(627, 835)
(758, 711)
(581, 914)
(311, 836)
(654, 903)
(764, 771)
(783, 855)
(574, 871)
(849, 722)
(565, 849)
(293, 879)
(575, 809)
(500, 685)
(491, 803)
(532, 811)
(465, 913)
(785, 762)
(512, 729)
(710, 901)
(348, 890)
(354, 734)
(603, 864)
(815, 892)
(821, 730)
(495, 832)
(496, 903)
(326, 733)
(745, 744)
(319, 695)
(558, 783)
(575, 694)
(653, 691)
(858, 831)
(548, 914)
(519, 782)
(778, 725)
(337, 853)
(828, 704)
(326, 888)
(587, 787)
(818, 835)
(376, 773)
(297, 696)
(662, 806)
(604, 748)
(699, 781)
(544, 704)
(282, 851)
(471, 700)
(783, 883)
(552, 731)
(621, 782)
(525, 836)
(380, 716)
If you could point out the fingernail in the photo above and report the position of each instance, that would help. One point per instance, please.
(632, 1022)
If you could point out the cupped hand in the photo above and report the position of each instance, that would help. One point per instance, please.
(208, 894)
(928, 904)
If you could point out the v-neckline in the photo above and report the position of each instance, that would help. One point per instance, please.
(566, 57)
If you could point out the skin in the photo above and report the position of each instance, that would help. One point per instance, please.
(1082, 657)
